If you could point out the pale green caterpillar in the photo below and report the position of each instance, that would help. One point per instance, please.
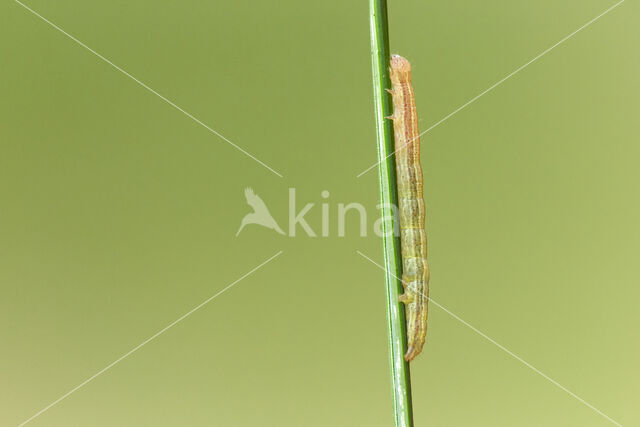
(413, 239)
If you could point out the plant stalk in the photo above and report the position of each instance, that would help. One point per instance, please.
(400, 375)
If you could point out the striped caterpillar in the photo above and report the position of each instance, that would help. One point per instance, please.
(413, 239)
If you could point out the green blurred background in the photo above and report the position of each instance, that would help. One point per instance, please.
(119, 213)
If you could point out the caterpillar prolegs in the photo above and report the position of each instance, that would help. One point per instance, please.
(413, 239)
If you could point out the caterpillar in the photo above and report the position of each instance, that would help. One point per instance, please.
(413, 239)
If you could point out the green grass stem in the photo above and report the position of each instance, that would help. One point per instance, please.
(400, 376)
